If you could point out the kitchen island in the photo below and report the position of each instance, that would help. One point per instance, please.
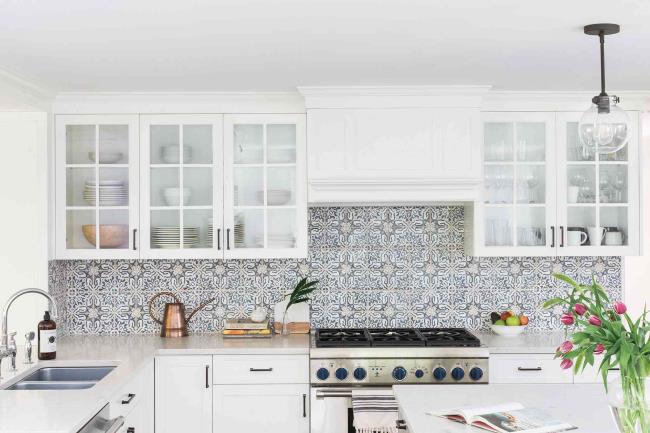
(584, 405)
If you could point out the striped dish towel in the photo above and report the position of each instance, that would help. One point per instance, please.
(375, 411)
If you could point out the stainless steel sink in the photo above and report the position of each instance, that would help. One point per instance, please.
(62, 378)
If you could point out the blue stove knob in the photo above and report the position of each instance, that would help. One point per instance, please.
(419, 373)
(359, 373)
(439, 373)
(457, 373)
(341, 373)
(322, 373)
(476, 373)
(399, 373)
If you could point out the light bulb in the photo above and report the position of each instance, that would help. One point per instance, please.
(604, 131)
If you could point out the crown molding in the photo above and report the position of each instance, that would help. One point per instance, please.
(19, 94)
(393, 96)
(177, 102)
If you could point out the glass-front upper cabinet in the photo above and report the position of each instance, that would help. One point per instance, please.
(265, 212)
(517, 209)
(96, 186)
(598, 194)
(181, 184)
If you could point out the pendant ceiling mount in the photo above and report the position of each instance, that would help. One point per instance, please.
(604, 127)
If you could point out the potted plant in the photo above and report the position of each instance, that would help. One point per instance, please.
(601, 328)
(298, 295)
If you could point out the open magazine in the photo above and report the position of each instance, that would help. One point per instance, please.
(504, 418)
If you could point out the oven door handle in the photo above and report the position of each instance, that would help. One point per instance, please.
(335, 393)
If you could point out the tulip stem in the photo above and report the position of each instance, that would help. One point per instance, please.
(634, 416)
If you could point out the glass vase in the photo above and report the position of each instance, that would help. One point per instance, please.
(627, 396)
(285, 323)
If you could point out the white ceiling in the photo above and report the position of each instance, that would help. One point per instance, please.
(211, 45)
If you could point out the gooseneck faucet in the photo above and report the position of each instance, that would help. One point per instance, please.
(8, 348)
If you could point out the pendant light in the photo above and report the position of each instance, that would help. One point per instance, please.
(604, 127)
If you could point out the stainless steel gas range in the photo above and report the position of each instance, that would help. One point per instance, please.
(345, 359)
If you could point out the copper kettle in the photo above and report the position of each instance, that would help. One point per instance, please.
(174, 322)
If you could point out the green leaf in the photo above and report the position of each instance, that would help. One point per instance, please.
(553, 302)
(567, 280)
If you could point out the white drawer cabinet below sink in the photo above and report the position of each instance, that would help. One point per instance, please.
(527, 368)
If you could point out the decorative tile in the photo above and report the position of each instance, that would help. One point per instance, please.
(376, 266)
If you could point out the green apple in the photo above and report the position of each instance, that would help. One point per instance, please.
(513, 321)
(500, 323)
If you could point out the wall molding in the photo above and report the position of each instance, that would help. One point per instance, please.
(19, 94)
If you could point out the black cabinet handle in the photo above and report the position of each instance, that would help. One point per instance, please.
(227, 239)
(128, 400)
(400, 424)
(219, 239)
(529, 368)
(561, 236)
(261, 369)
(207, 380)
(304, 405)
(135, 231)
(130, 430)
(552, 236)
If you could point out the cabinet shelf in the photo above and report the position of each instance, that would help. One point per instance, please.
(181, 165)
(93, 165)
(96, 207)
(190, 207)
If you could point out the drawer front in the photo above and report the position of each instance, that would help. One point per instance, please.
(129, 396)
(260, 369)
(527, 368)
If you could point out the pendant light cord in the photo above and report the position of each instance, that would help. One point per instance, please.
(601, 36)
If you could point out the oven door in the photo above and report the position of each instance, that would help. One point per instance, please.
(331, 410)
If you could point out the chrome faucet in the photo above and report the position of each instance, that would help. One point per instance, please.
(7, 340)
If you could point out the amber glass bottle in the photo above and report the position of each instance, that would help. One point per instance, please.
(46, 338)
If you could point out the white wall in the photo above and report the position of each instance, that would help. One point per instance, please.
(637, 269)
(23, 215)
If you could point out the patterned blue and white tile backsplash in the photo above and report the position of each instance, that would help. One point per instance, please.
(376, 266)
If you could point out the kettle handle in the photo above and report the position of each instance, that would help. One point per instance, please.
(156, 296)
(200, 307)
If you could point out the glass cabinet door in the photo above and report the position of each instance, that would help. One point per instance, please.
(97, 186)
(598, 194)
(264, 190)
(518, 202)
(182, 198)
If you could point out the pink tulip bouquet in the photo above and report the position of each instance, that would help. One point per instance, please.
(598, 326)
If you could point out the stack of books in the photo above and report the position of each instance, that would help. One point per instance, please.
(246, 328)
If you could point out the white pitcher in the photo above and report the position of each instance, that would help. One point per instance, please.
(596, 235)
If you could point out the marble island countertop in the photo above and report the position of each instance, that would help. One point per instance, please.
(38, 411)
(584, 406)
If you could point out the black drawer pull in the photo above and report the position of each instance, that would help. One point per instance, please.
(207, 373)
(400, 424)
(129, 399)
(529, 368)
(261, 369)
(304, 405)
(130, 430)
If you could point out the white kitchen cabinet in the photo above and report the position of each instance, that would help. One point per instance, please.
(96, 197)
(367, 155)
(182, 173)
(270, 408)
(542, 189)
(527, 368)
(183, 394)
(265, 200)
(134, 402)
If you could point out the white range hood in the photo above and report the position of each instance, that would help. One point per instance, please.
(369, 145)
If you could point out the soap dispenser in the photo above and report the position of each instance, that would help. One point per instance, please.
(46, 338)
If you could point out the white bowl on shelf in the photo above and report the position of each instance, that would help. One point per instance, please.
(170, 154)
(106, 157)
(508, 331)
(173, 196)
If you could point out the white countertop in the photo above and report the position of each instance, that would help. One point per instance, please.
(584, 406)
(68, 411)
(528, 342)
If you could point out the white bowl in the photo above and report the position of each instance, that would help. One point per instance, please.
(106, 157)
(508, 331)
(173, 196)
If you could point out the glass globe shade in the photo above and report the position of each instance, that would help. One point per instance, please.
(604, 132)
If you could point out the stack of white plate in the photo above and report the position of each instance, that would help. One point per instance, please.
(169, 237)
(280, 240)
(239, 233)
(210, 233)
(111, 193)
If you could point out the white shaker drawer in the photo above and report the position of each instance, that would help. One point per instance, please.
(260, 369)
(527, 368)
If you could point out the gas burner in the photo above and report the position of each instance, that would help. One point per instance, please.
(395, 337)
(342, 337)
(446, 337)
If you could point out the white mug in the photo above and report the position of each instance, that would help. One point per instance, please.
(576, 238)
(613, 238)
(596, 235)
(573, 194)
